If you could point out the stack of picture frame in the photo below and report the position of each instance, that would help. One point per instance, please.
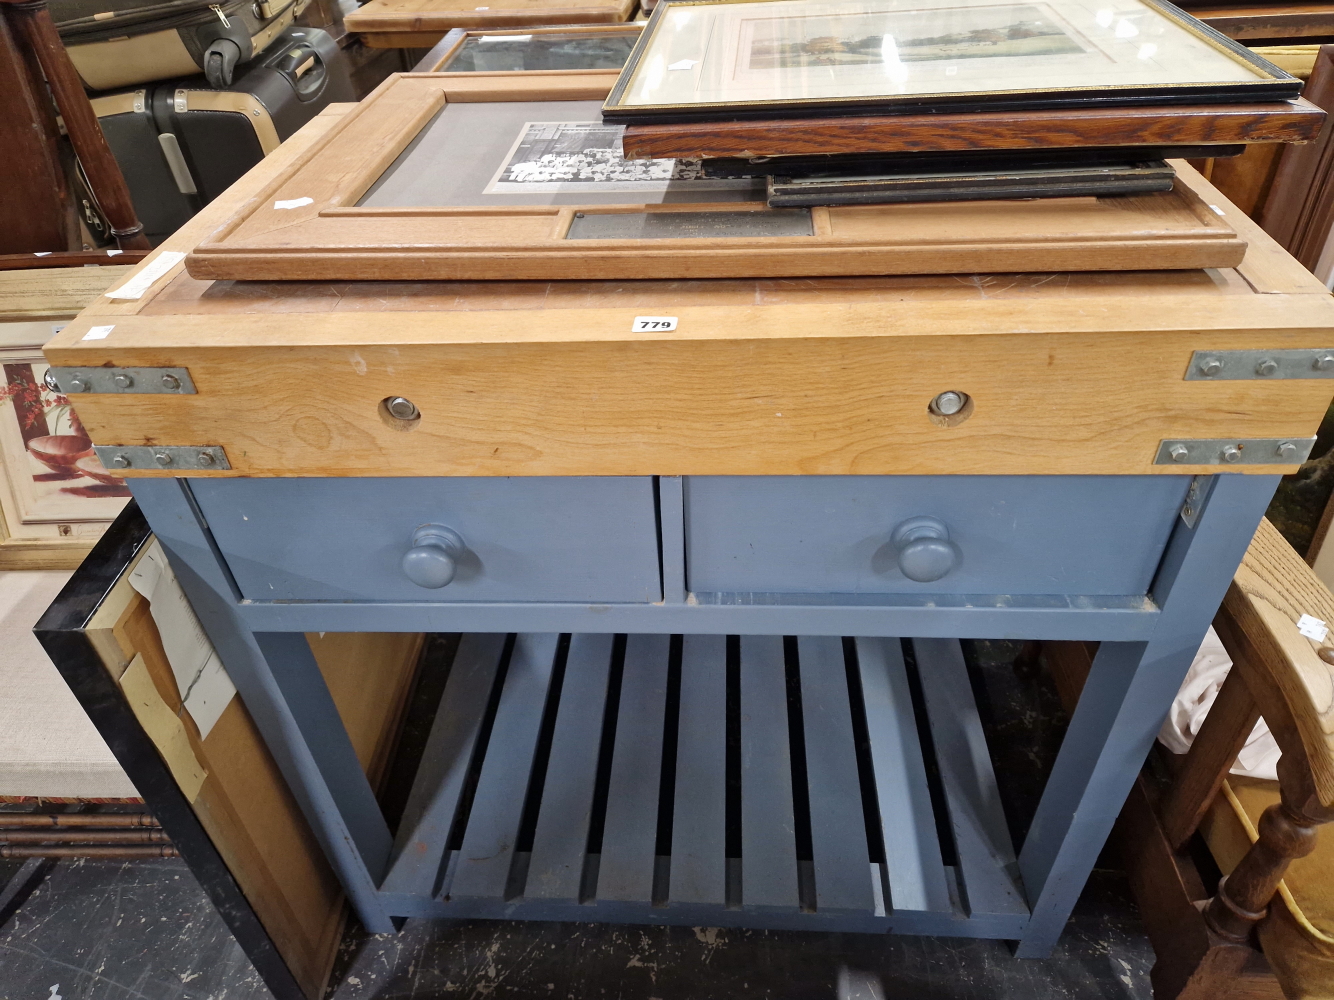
(847, 101)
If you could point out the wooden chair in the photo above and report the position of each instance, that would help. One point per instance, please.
(1249, 938)
(29, 24)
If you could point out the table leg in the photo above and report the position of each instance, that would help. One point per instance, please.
(1124, 702)
(280, 683)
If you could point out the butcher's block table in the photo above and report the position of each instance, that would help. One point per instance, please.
(626, 523)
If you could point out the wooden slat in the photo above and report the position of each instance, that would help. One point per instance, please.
(987, 864)
(914, 869)
(442, 15)
(838, 824)
(560, 842)
(483, 865)
(768, 829)
(699, 817)
(446, 759)
(630, 832)
(1279, 121)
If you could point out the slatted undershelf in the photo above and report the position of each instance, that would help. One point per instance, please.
(761, 781)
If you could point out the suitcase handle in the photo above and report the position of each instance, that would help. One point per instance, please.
(304, 66)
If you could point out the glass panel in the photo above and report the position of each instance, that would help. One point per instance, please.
(537, 153)
(573, 50)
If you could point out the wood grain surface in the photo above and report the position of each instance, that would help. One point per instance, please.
(1271, 590)
(441, 15)
(1281, 121)
(1282, 20)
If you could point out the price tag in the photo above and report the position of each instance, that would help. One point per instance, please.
(653, 324)
(1312, 627)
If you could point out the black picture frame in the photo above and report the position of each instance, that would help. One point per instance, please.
(1280, 86)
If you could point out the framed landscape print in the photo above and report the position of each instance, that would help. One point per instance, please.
(578, 48)
(707, 59)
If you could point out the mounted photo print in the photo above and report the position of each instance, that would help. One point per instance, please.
(709, 59)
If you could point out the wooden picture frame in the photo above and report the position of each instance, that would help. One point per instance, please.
(450, 54)
(51, 512)
(388, 24)
(308, 224)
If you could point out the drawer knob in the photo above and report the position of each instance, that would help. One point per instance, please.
(925, 551)
(433, 558)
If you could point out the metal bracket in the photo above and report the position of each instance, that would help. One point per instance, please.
(125, 381)
(1234, 451)
(180, 103)
(1234, 366)
(186, 458)
(1190, 507)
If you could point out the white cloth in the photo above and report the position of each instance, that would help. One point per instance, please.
(1259, 757)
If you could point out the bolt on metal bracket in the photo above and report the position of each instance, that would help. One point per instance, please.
(185, 458)
(1190, 507)
(1234, 451)
(125, 381)
(1252, 365)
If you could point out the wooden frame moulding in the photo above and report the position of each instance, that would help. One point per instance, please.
(422, 23)
(306, 224)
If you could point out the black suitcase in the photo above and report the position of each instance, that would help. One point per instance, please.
(180, 144)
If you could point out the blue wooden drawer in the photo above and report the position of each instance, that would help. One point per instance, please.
(526, 539)
(1021, 535)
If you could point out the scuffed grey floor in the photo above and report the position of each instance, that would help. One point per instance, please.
(145, 930)
(102, 930)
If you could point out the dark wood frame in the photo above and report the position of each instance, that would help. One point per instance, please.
(1279, 86)
(62, 631)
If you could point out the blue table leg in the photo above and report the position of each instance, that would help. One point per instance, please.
(280, 682)
(1125, 701)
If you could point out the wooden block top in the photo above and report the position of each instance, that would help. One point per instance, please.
(1280, 121)
(54, 293)
(441, 15)
(1070, 372)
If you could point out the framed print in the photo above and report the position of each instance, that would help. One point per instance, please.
(707, 59)
(579, 48)
(416, 184)
(55, 496)
(422, 23)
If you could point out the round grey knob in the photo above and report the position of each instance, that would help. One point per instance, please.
(162, 458)
(120, 462)
(403, 409)
(925, 551)
(947, 404)
(433, 559)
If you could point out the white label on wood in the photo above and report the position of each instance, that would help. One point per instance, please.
(1312, 628)
(294, 203)
(140, 282)
(97, 332)
(653, 324)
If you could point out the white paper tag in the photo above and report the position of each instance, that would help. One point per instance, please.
(114, 253)
(503, 38)
(200, 676)
(1312, 628)
(98, 332)
(647, 324)
(44, 253)
(1217, 210)
(294, 203)
(140, 283)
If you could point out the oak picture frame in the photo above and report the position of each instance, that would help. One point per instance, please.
(308, 224)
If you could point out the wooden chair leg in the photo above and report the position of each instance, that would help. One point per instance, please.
(33, 21)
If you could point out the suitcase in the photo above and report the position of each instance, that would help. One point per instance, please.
(180, 144)
(118, 43)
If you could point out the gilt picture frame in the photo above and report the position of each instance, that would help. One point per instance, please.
(707, 60)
